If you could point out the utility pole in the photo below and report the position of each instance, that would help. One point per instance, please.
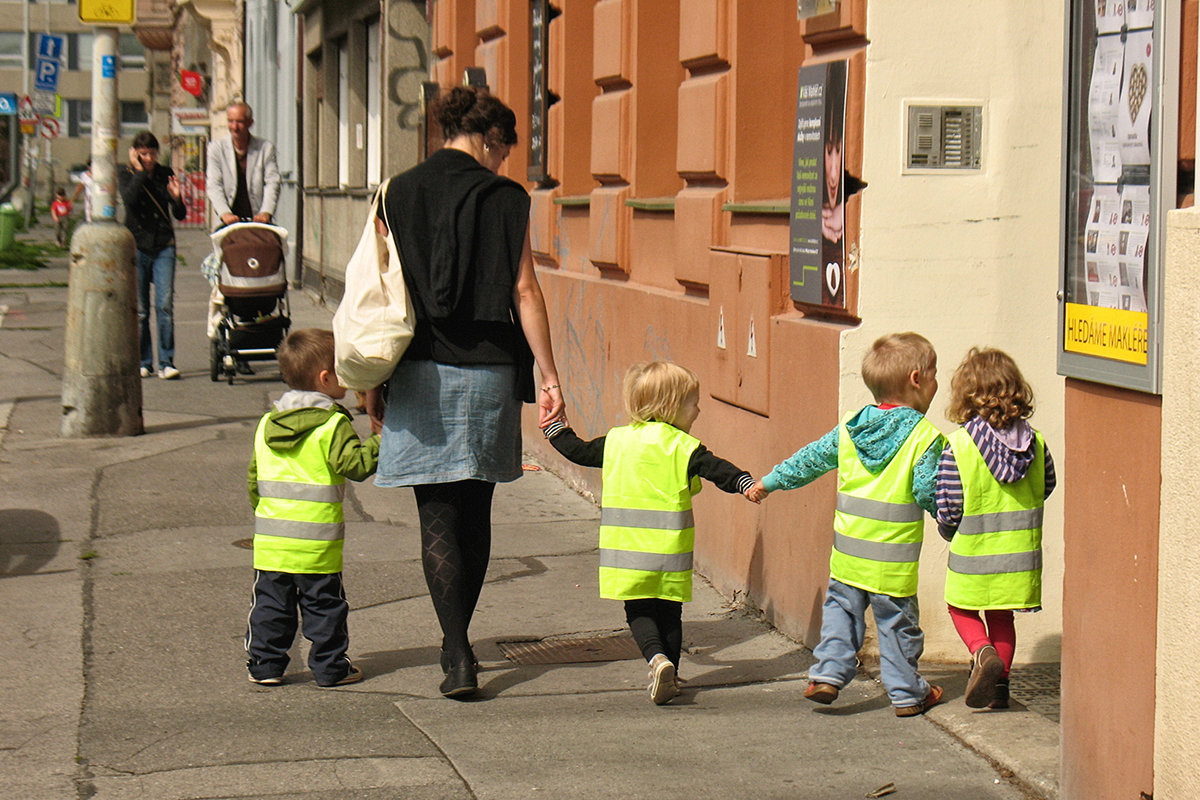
(102, 390)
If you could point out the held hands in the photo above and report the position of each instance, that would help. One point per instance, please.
(262, 217)
(229, 219)
(756, 493)
(550, 404)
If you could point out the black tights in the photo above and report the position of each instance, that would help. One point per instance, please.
(456, 543)
(657, 626)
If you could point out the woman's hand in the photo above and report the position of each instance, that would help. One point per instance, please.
(373, 402)
(550, 403)
(173, 187)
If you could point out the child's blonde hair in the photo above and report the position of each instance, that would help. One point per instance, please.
(891, 359)
(654, 391)
(302, 356)
(988, 384)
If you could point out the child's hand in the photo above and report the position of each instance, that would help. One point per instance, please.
(757, 493)
(562, 417)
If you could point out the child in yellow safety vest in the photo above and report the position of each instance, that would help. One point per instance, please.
(304, 450)
(650, 470)
(886, 458)
(993, 479)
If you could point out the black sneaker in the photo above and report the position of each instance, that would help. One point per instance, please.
(271, 680)
(354, 675)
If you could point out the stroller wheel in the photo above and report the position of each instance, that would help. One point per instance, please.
(214, 360)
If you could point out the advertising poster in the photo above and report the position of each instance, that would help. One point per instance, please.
(1106, 312)
(818, 218)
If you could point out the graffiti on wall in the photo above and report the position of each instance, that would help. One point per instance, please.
(408, 61)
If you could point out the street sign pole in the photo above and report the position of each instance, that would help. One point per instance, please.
(102, 391)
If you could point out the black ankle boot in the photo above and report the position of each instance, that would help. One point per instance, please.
(461, 680)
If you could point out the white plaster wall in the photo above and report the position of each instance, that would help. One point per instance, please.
(1176, 724)
(968, 258)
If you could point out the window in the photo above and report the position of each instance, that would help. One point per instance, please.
(374, 110)
(343, 98)
(133, 54)
(79, 51)
(133, 116)
(10, 50)
(79, 118)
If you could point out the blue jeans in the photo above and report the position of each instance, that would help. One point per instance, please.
(901, 641)
(159, 269)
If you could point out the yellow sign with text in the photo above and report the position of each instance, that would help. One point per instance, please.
(107, 12)
(1107, 332)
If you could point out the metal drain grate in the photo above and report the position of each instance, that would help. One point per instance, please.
(1038, 687)
(571, 650)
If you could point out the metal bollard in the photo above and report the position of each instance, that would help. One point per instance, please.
(102, 391)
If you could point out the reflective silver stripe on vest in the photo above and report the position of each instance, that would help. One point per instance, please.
(646, 562)
(1020, 520)
(997, 564)
(644, 518)
(893, 552)
(315, 492)
(294, 529)
(867, 508)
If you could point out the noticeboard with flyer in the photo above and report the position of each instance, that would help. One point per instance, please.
(1119, 180)
(817, 253)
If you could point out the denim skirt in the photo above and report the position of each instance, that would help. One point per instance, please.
(446, 423)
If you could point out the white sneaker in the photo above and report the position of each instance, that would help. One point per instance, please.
(168, 373)
(662, 680)
(144, 372)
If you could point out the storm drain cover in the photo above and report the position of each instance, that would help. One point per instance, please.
(1038, 688)
(571, 649)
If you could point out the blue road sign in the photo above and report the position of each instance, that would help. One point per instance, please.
(45, 75)
(8, 104)
(50, 46)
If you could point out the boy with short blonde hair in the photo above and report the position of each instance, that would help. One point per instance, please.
(886, 456)
(304, 450)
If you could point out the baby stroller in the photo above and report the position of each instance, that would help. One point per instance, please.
(251, 280)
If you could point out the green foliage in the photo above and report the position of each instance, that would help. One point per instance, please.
(27, 255)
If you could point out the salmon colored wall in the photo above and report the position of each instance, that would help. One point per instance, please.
(1109, 475)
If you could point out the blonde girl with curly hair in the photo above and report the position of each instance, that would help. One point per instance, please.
(993, 479)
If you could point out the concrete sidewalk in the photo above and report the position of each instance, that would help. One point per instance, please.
(126, 582)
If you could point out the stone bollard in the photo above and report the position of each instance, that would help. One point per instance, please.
(102, 391)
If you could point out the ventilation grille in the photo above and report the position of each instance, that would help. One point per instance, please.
(945, 137)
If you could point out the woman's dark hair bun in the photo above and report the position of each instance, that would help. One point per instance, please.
(471, 109)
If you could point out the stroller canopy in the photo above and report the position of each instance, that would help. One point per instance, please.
(252, 259)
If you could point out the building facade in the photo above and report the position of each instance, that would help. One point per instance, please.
(71, 149)
(664, 172)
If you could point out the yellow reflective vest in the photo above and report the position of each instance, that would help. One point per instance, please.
(298, 523)
(996, 553)
(878, 526)
(646, 525)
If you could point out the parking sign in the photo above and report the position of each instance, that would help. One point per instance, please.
(45, 76)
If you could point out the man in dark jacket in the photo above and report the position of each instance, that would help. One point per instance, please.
(152, 196)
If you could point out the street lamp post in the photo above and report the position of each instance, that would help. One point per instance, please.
(102, 390)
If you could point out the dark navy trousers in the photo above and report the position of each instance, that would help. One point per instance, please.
(320, 603)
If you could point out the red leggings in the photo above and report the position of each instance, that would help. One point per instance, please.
(999, 632)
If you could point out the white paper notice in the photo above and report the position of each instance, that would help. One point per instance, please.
(1110, 15)
(1133, 112)
(1139, 13)
(1104, 99)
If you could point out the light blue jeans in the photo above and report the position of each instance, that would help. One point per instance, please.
(159, 269)
(901, 641)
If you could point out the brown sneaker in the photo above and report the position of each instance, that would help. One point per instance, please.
(1000, 700)
(981, 688)
(932, 699)
(823, 693)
